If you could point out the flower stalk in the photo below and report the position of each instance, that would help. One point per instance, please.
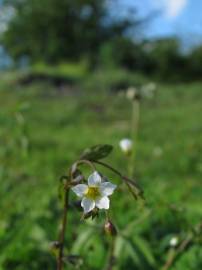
(62, 232)
(134, 132)
(111, 258)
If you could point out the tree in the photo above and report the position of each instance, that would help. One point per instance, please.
(52, 30)
(165, 59)
(194, 60)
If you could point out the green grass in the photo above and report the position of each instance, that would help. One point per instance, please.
(57, 128)
(63, 70)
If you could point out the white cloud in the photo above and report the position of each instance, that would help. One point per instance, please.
(175, 7)
(171, 8)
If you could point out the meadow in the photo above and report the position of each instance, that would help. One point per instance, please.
(44, 129)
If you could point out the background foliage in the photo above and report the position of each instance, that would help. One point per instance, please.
(57, 126)
(56, 32)
(72, 64)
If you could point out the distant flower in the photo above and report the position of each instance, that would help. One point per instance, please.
(132, 93)
(126, 146)
(174, 241)
(95, 194)
(148, 90)
(157, 151)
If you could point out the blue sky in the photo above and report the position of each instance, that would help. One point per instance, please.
(176, 17)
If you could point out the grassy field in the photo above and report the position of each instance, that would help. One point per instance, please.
(44, 130)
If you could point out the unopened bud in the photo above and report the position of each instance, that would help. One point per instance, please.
(109, 228)
(126, 146)
(174, 241)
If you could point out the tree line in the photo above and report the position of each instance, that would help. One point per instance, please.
(53, 31)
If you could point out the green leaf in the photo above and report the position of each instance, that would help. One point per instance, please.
(145, 249)
(74, 260)
(124, 249)
(131, 252)
(82, 240)
(96, 152)
(119, 245)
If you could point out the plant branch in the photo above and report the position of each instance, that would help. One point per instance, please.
(84, 161)
(129, 182)
(62, 233)
(134, 132)
(111, 259)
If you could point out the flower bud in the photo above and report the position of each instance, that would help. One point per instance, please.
(126, 146)
(174, 241)
(109, 228)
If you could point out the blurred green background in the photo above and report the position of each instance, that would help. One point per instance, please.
(65, 68)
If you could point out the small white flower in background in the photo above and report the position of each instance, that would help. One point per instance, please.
(131, 93)
(126, 145)
(148, 90)
(151, 86)
(174, 241)
(95, 194)
(157, 151)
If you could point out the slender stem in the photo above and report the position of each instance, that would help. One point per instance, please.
(111, 259)
(85, 161)
(62, 233)
(134, 132)
(135, 118)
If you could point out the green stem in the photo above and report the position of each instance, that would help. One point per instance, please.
(134, 132)
(111, 258)
(62, 233)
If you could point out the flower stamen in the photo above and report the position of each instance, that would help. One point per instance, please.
(93, 193)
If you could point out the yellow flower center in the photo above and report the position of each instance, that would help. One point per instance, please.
(92, 193)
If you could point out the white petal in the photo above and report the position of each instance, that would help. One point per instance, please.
(87, 205)
(126, 145)
(94, 179)
(80, 189)
(102, 203)
(107, 188)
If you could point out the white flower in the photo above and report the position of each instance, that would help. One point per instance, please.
(95, 194)
(157, 151)
(149, 89)
(126, 145)
(131, 93)
(174, 241)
